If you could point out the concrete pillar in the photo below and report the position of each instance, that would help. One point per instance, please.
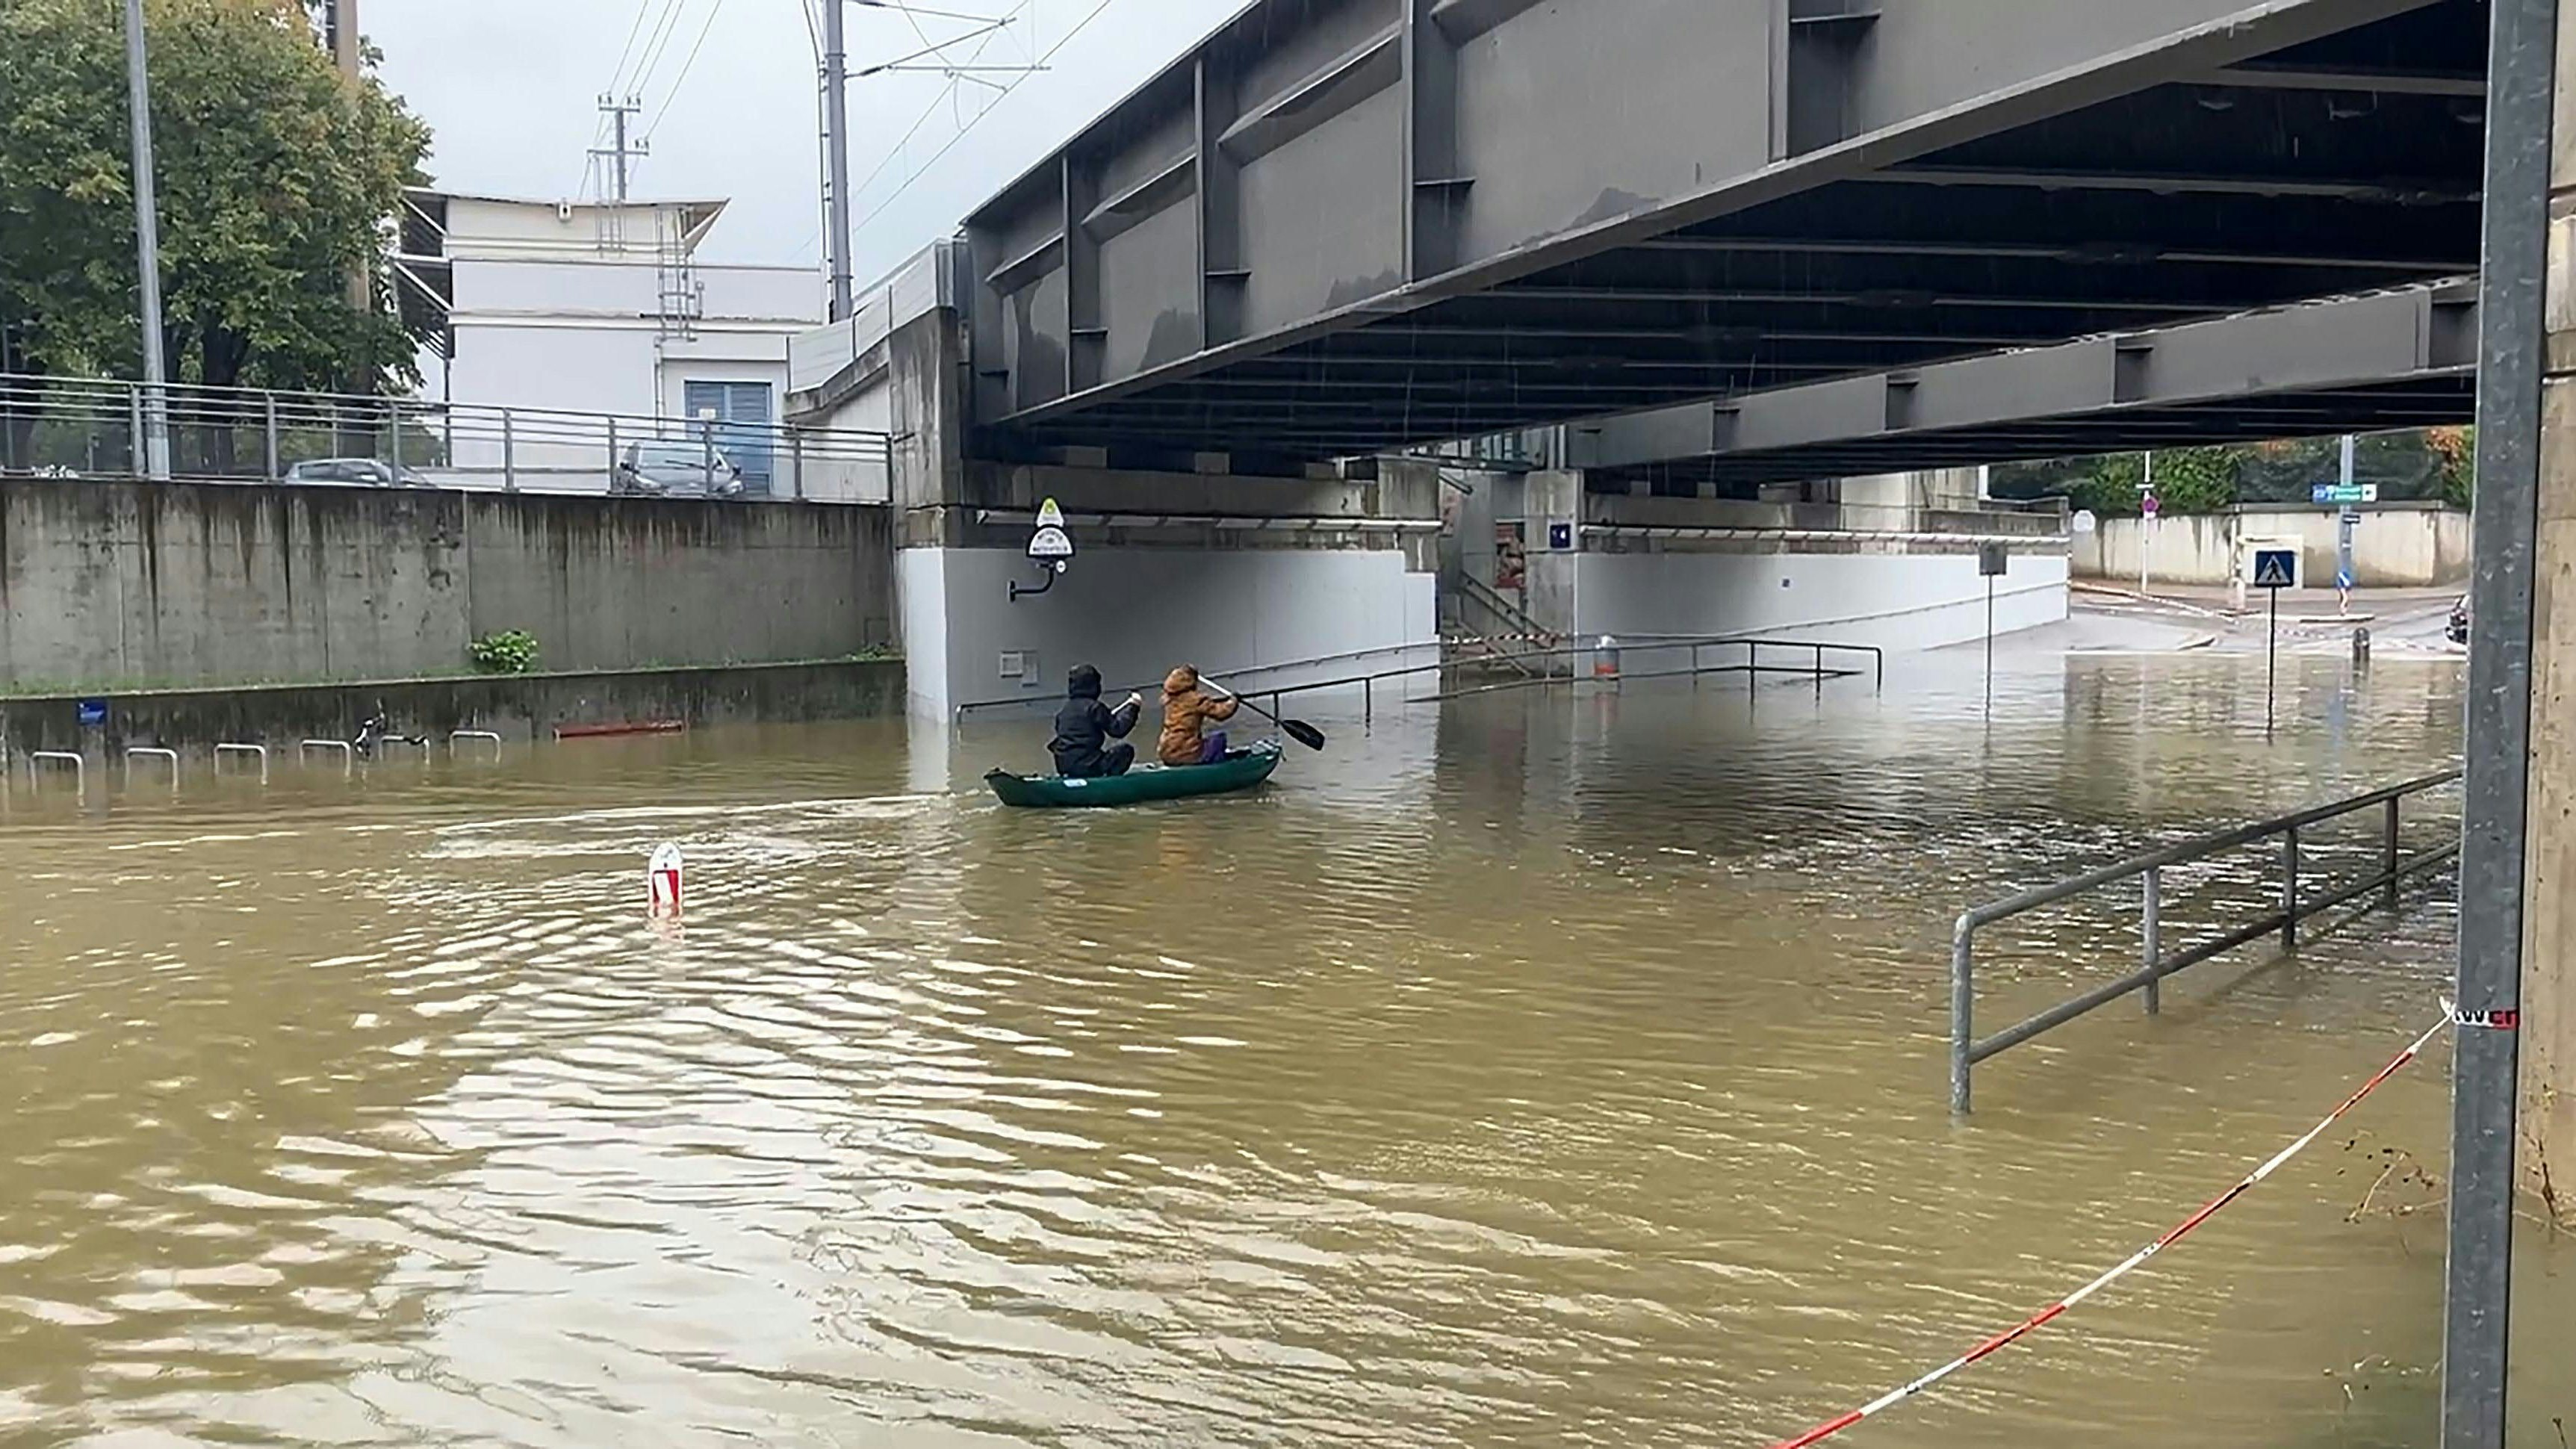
(927, 365)
(1409, 488)
(1884, 502)
(2548, 1065)
(1553, 496)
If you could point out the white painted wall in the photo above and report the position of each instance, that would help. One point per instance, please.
(556, 308)
(1895, 601)
(1135, 613)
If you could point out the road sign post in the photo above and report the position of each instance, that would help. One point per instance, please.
(1992, 560)
(2275, 569)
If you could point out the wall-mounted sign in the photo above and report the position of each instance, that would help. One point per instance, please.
(1050, 544)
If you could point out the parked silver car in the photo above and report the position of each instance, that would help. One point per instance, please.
(367, 472)
(676, 470)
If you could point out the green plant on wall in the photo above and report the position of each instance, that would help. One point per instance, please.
(511, 651)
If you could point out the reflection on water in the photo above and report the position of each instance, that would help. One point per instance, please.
(1529, 1070)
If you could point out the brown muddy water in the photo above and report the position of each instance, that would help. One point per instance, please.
(1526, 1070)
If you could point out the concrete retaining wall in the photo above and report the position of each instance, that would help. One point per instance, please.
(521, 707)
(1893, 600)
(169, 584)
(1136, 612)
(2395, 545)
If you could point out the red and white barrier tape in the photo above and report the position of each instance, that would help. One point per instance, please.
(2173, 1235)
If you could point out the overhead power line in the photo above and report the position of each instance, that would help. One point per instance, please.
(901, 62)
(913, 11)
(681, 80)
(628, 49)
(657, 46)
(962, 131)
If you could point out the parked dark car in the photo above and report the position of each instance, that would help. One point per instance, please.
(368, 472)
(676, 470)
(2458, 628)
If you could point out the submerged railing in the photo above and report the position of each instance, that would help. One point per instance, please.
(1966, 1050)
(1752, 667)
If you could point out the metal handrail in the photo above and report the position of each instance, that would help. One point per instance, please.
(1966, 1050)
(151, 752)
(250, 435)
(1647, 645)
(80, 768)
(492, 737)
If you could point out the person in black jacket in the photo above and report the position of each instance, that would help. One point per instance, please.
(1084, 728)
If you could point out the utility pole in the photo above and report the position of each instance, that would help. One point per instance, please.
(2516, 844)
(346, 56)
(836, 123)
(343, 36)
(621, 152)
(147, 244)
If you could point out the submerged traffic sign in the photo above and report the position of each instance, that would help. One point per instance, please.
(2276, 568)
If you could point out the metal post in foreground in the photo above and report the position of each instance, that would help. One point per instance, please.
(2271, 660)
(612, 453)
(2151, 948)
(147, 245)
(2521, 82)
(2388, 856)
(393, 429)
(2290, 889)
(275, 467)
(1990, 642)
(509, 456)
(796, 462)
(1963, 1012)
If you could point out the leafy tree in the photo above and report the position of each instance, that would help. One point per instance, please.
(2457, 450)
(277, 178)
(2429, 463)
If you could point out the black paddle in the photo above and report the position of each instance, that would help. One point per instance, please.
(1298, 730)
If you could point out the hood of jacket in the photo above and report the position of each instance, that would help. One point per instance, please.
(1180, 681)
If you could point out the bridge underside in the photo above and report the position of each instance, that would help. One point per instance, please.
(2357, 364)
(1813, 193)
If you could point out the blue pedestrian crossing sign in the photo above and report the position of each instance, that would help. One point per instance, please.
(2276, 568)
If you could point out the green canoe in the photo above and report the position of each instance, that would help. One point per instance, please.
(1240, 770)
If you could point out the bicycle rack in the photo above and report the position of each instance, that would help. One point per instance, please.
(348, 752)
(222, 750)
(80, 767)
(473, 735)
(149, 752)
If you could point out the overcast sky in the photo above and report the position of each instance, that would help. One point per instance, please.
(510, 89)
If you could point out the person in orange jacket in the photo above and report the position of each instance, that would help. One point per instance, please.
(1187, 712)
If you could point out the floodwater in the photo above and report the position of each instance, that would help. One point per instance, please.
(1525, 1070)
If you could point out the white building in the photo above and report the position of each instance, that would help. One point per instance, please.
(599, 307)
